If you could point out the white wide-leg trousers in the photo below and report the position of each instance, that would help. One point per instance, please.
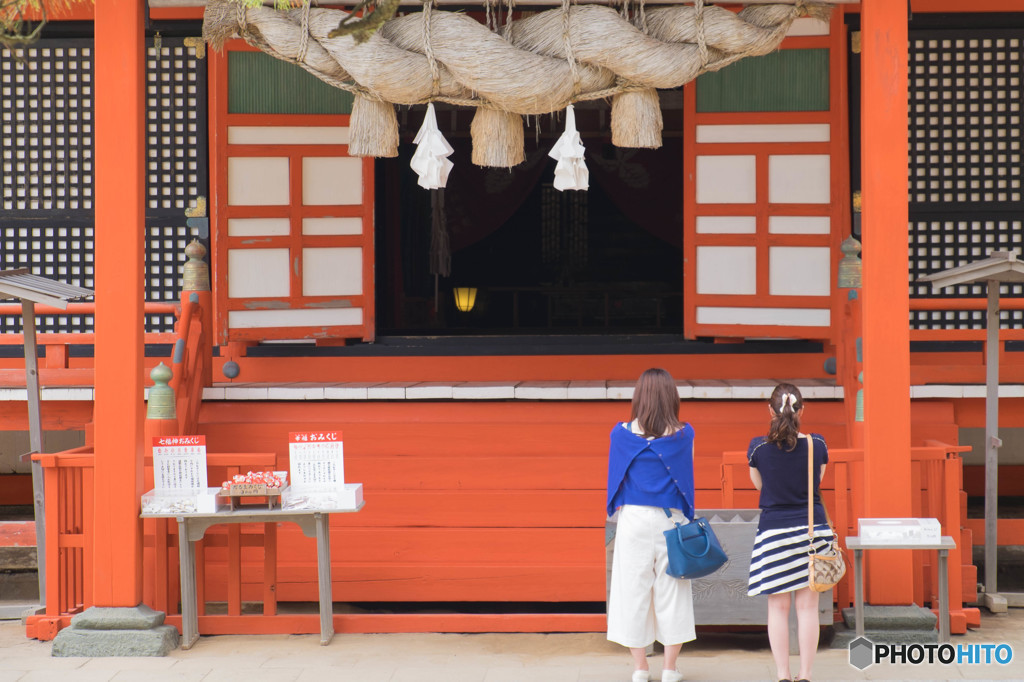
(645, 603)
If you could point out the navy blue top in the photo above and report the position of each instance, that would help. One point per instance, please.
(655, 473)
(784, 481)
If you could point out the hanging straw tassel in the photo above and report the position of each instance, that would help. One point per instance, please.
(497, 138)
(373, 128)
(636, 119)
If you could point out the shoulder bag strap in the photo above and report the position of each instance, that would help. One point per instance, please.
(810, 494)
(810, 490)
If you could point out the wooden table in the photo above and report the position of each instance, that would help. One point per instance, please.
(943, 546)
(192, 528)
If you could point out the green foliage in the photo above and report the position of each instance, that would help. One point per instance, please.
(361, 28)
(362, 22)
(16, 30)
(278, 4)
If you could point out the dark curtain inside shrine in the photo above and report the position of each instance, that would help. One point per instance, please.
(607, 260)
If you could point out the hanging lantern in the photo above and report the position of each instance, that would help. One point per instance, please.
(465, 298)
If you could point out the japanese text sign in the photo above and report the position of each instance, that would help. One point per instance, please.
(317, 458)
(179, 463)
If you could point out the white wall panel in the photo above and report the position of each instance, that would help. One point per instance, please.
(732, 224)
(726, 179)
(805, 26)
(332, 271)
(258, 227)
(790, 317)
(799, 179)
(287, 135)
(799, 271)
(332, 226)
(726, 270)
(313, 317)
(774, 132)
(258, 181)
(257, 273)
(330, 180)
(799, 224)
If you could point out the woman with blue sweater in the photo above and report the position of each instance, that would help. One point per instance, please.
(650, 488)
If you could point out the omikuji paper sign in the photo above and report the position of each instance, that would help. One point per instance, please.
(317, 458)
(179, 463)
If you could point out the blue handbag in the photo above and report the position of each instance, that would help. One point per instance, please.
(693, 549)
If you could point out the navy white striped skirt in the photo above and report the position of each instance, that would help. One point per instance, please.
(779, 562)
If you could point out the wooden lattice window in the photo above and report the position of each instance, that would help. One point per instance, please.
(46, 171)
(966, 164)
(176, 163)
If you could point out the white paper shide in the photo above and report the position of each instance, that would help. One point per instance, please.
(571, 170)
(430, 160)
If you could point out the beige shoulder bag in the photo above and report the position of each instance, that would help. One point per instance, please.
(827, 566)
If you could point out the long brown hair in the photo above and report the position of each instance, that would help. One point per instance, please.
(787, 402)
(656, 403)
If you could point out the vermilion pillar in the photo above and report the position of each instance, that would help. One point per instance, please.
(884, 47)
(119, 191)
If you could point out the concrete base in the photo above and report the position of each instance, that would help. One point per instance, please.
(1013, 599)
(995, 603)
(845, 635)
(889, 625)
(116, 631)
(911, 617)
(13, 609)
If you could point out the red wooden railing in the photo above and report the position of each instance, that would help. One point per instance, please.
(68, 479)
(161, 587)
(191, 364)
(68, 487)
(59, 342)
(849, 367)
(937, 492)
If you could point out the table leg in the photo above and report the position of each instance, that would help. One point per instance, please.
(323, 566)
(858, 597)
(943, 596)
(187, 568)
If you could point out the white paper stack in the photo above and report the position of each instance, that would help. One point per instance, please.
(571, 171)
(430, 160)
(899, 531)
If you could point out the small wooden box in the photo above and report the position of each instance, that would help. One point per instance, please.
(237, 492)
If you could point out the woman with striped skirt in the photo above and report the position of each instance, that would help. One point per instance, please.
(779, 562)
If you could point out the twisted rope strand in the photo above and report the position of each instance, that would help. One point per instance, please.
(570, 55)
(702, 42)
(760, 28)
(508, 19)
(435, 72)
(304, 35)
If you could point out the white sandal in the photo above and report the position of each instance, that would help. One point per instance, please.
(641, 676)
(671, 676)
